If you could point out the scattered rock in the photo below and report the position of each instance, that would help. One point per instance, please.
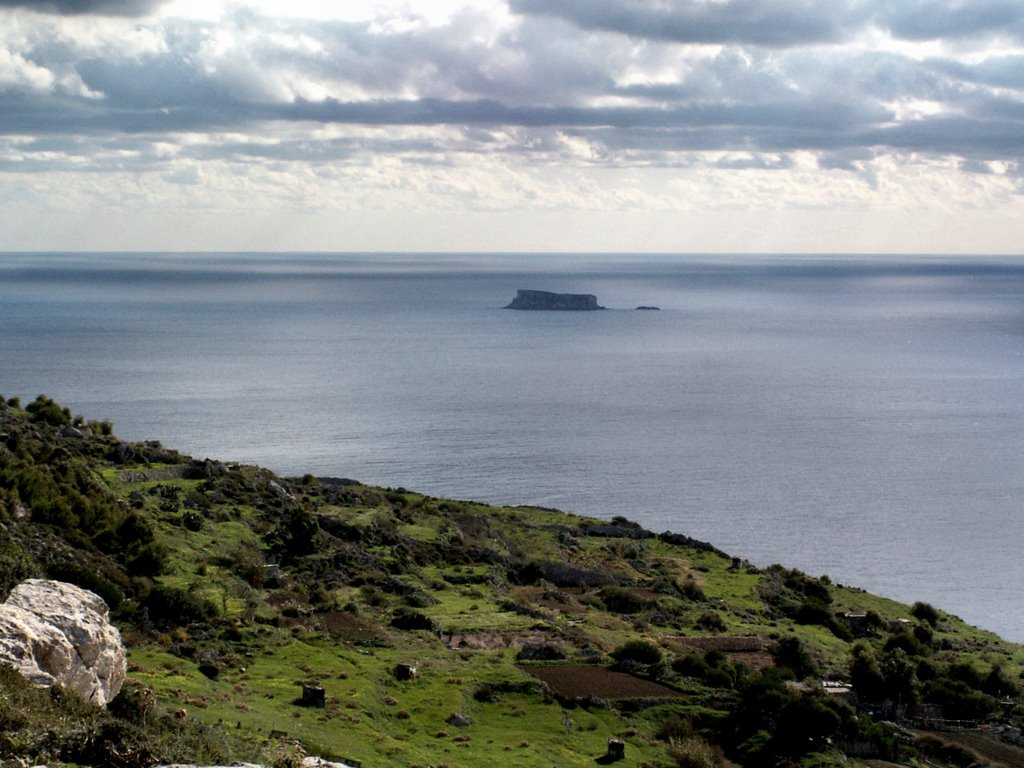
(308, 761)
(405, 672)
(59, 634)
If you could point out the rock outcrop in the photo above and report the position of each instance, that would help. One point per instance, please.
(545, 300)
(59, 634)
(307, 762)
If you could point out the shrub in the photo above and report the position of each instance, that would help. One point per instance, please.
(691, 590)
(248, 564)
(675, 728)
(958, 700)
(146, 559)
(192, 520)
(906, 642)
(791, 654)
(925, 612)
(621, 600)
(813, 612)
(638, 651)
(171, 606)
(408, 619)
(16, 565)
(44, 409)
(709, 621)
(865, 675)
(540, 652)
(696, 753)
(104, 427)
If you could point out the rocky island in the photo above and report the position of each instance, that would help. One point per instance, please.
(546, 300)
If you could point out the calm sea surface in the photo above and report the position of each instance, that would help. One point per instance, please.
(860, 417)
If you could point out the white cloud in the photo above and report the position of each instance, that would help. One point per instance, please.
(302, 110)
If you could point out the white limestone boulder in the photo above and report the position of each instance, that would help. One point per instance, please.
(59, 634)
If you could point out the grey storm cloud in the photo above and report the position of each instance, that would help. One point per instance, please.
(545, 79)
(128, 8)
(782, 23)
(779, 23)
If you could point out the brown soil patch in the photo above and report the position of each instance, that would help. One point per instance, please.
(561, 600)
(756, 661)
(485, 641)
(725, 644)
(578, 682)
(341, 625)
(996, 753)
(752, 651)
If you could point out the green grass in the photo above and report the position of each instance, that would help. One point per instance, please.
(372, 717)
(469, 568)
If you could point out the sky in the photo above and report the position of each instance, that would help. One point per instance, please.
(821, 126)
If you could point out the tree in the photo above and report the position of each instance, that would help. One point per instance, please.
(791, 654)
(924, 612)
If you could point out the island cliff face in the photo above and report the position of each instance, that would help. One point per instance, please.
(546, 300)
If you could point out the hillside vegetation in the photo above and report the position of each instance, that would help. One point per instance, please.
(269, 617)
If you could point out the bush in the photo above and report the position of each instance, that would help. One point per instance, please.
(696, 753)
(813, 612)
(709, 621)
(248, 564)
(174, 607)
(675, 728)
(713, 669)
(408, 619)
(638, 651)
(791, 654)
(44, 409)
(958, 700)
(925, 612)
(906, 642)
(16, 565)
(146, 560)
(691, 590)
(621, 600)
(192, 520)
(540, 652)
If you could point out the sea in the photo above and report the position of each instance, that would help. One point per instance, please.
(860, 417)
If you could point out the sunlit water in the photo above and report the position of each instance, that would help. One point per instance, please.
(862, 418)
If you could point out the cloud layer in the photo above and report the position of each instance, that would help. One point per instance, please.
(848, 98)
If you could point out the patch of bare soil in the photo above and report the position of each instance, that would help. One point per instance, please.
(994, 752)
(485, 641)
(580, 682)
(725, 644)
(752, 651)
(561, 600)
(341, 625)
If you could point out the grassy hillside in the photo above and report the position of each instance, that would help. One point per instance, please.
(536, 637)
